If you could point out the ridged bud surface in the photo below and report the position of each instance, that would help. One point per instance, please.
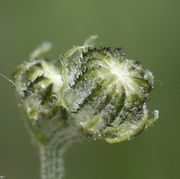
(107, 93)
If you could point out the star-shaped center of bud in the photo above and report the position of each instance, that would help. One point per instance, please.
(124, 75)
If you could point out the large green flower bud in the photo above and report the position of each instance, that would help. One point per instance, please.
(107, 93)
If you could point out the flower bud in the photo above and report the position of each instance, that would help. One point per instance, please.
(39, 84)
(107, 93)
(99, 90)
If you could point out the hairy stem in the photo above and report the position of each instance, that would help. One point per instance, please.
(51, 155)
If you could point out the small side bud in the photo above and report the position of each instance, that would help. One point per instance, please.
(39, 86)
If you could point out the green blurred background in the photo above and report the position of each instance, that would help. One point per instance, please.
(148, 30)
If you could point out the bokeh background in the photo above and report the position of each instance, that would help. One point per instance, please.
(148, 30)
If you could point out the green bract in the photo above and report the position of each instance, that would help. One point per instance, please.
(99, 90)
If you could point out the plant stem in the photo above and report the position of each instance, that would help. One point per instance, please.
(51, 155)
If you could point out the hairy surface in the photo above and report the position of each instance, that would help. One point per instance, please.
(98, 89)
(89, 91)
